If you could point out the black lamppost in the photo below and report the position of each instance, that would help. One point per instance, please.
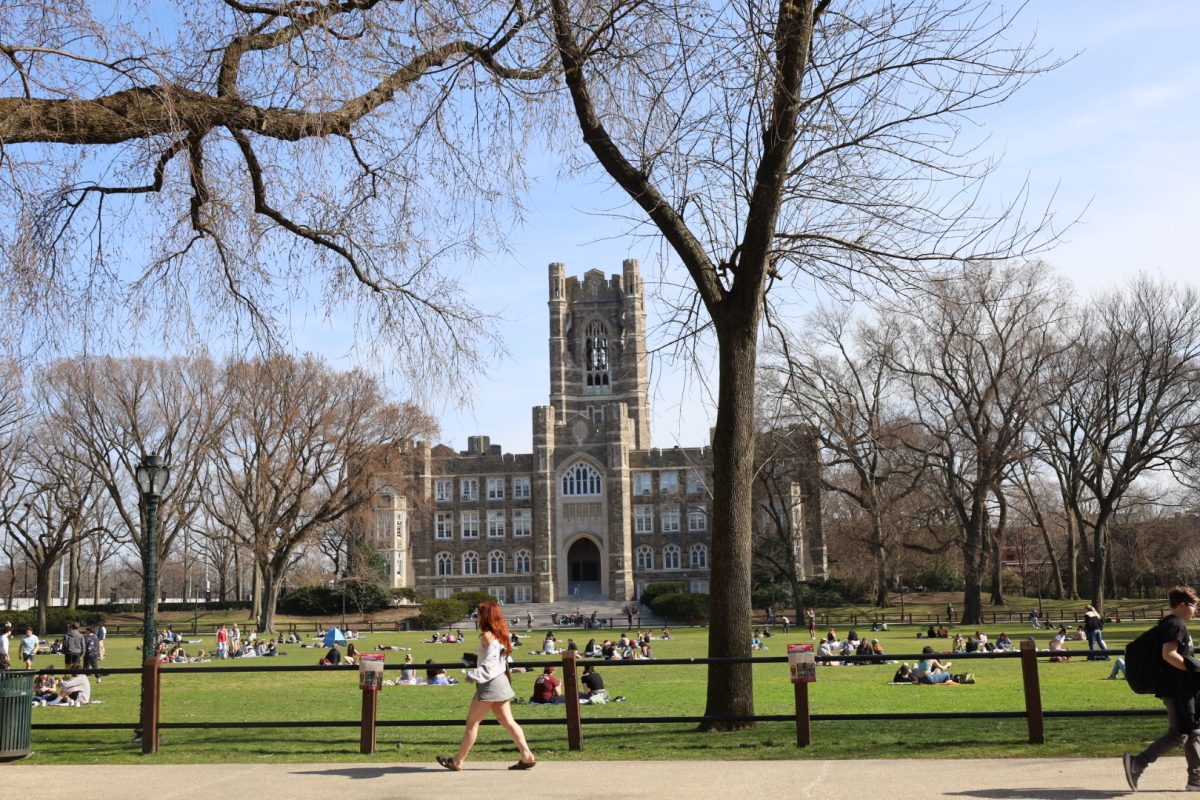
(152, 475)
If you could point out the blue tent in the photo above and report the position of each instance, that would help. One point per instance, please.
(334, 636)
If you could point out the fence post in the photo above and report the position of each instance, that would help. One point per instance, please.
(1033, 693)
(370, 702)
(571, 693)
(803, 723)
(151, 685)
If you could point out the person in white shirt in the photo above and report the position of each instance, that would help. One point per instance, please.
(5, 637)
(29, 646)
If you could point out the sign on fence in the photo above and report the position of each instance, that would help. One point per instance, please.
(803, 663)
(370, 671)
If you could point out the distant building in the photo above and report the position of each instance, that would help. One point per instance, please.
(594, 510)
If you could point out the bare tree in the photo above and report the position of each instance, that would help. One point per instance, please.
(771, 144)
(337, 149)
(1127, 403)
(114, 411)
(839, 380)
(296, 457)
(973, 350)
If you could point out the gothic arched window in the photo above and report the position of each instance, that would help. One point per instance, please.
(496, 562)
(699, 554)
(645, 558)
(671, 557)
(596, 353)
(470, 564)
(521, 561)
(445, 564)
(581, 480)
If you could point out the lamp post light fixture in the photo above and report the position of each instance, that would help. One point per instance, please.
(152, 476)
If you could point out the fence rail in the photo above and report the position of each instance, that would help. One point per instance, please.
(152, 674)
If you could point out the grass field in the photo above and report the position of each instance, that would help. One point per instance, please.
(193, 693)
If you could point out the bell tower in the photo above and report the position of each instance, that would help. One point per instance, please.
(598, 348)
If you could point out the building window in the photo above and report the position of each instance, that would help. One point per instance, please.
(645, 557)
(470, 564)
(596, 413)
(695, 482)
(581, 480)
(495, 488)
(668, 482)
(469, 488)
(443, 490)
(670, 557)
(445, 564)
(520, 488)
(470, 524)
(399, 563)
(643, 519)
(698, 556)
(522, 523)
(596, 351)
(697, 519)
(522, 594)
(641, 483)
(443, 525)
(521, 562)
(670, 520)
(496, 562)
(495, 523)
(443, 592)
(698, 586)
(498, 593)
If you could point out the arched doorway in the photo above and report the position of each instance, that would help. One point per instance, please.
(583, 569)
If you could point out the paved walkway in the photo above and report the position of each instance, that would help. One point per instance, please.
(919, 779)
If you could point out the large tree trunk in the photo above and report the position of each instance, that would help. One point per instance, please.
(1072, 587)
(44, 574)
(975, 560)
(268, 596)
(1099, 558)
(881, 566)
(997, 540)
(730, 686)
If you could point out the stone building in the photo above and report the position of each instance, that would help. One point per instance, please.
(594, 510)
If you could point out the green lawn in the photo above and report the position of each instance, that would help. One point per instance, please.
(192, 693)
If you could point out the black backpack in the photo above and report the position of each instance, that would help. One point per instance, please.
(1144, 663)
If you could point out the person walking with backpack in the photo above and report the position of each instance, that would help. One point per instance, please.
(1177, 688)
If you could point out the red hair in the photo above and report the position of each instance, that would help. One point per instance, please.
(492, 621)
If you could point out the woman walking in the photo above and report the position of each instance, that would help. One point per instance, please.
(493, 692)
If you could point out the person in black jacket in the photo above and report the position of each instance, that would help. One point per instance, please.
(1178, 693)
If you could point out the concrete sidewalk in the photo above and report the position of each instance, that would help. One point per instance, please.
(918, 779)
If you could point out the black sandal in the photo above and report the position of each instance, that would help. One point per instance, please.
(449, 764)
(524, 765)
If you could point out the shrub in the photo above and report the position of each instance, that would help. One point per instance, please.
(653, 590)
(309, 600)
(363, 596)
(403, 594)
(439, 612)
(833, 592)
(57, 619)
(682, 606)
(938, 579)
(472, 599)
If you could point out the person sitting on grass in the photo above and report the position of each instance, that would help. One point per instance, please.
(76, 690)
(1003, 643)
(45, 689)
(1059, 648)
(547, 689)
(333, 657)
(593, 687)
(930, 670)
(351, 654)
(591, 649)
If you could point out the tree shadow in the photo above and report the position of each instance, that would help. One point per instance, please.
(367, 772)
(1040, 793)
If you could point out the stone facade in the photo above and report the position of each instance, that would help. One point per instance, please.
(593, 510)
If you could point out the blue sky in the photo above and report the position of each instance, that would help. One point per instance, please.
(1112, 137)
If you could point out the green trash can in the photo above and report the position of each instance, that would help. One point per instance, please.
(16, 714)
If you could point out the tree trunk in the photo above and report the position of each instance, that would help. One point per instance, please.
(1072, 586)
(44, 574)
(881, 566)
(269, 594)
(1099, 557)
(730, 686)
(975, 559)
(997, 541)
